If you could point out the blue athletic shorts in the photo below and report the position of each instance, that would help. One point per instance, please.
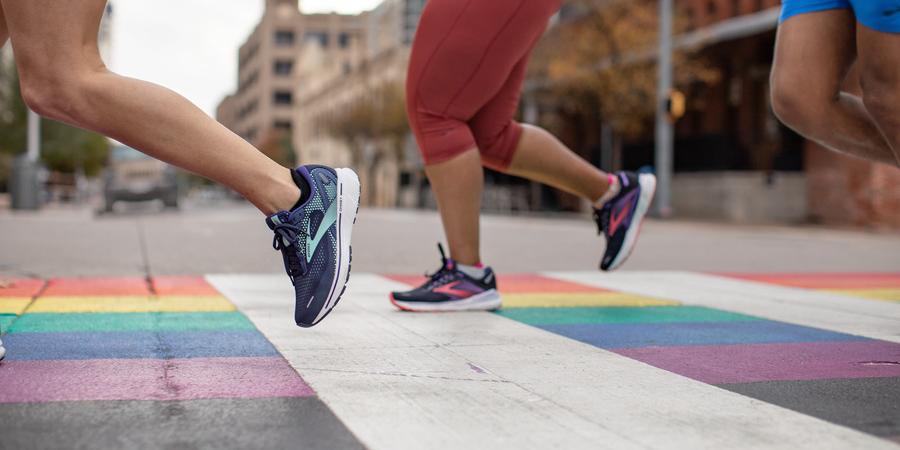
(881, 15)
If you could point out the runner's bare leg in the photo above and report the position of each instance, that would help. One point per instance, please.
(813, 54)
(63, 78)
(879, 69)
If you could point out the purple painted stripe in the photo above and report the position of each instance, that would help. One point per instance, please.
(149, 379)
(716, 364)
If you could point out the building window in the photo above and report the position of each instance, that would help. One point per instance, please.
(283, 98)
(283, 67)
(344, 40)
(283, 125)
(317, 37)
(284, 38)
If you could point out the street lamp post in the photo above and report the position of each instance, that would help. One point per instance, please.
(34, 137)
(25, 188)
(664, 133)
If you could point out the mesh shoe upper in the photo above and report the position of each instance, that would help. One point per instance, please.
(307, 238)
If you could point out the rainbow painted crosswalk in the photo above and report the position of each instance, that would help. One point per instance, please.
(874, 286)
(168, 338)
(573, 360)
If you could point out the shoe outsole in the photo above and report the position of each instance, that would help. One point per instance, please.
(406, 308)
(349, 269)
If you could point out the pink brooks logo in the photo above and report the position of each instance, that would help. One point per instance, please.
(617, 217)
(449, 290)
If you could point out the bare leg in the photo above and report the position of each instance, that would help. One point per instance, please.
(813, 53)
(457, 185)
(879, 64)
(541, 157)
(63, 78)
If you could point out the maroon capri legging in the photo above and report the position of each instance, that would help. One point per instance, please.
(466, 72)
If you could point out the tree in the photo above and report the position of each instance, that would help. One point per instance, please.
(604, 58)
(63, 148)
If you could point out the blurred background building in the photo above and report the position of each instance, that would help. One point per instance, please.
(334, 84)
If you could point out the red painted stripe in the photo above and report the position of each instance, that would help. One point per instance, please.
(97, 286)
(20, 287)
(719, 364)
(518, 284)
(149, 379)
(182, 285)
(824, 280)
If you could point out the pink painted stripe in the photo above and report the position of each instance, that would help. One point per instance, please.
(149, 379)
(717, 364)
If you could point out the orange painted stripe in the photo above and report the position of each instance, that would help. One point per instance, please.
(182, 285)
(20, 287)
(519, 284)
(62, 287)
(825, 280)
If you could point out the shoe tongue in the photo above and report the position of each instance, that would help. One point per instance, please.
(450, 264)
(277, 219)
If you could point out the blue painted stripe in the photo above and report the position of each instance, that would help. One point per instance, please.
(138, 344)
(627, 335)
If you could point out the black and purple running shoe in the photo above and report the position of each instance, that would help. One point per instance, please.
(620, 219)
(450, 289)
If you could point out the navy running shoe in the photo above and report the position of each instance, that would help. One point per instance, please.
(314, 239)
(450, 289)
(619, 220)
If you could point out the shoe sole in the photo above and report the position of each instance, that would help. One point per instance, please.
(348, 209)
(486, 301)
(648, 191)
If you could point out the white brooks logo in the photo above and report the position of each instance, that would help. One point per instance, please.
(310, 301)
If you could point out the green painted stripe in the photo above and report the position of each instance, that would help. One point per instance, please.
(648, 314)
(194, 321)
(6, 321)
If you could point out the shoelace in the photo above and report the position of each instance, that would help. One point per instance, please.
(601, 216)
(294, 264)
(443, 275)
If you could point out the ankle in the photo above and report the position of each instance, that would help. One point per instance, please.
(611, 192)
(280, 193)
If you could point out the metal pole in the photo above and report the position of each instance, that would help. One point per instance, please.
(664, 134)
(34, 137)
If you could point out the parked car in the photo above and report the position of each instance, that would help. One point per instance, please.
(132, 176)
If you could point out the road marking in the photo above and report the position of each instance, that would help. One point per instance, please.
(401, 380)
(874, 319)
(105, 304)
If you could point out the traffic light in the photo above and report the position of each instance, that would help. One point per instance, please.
(676, 105)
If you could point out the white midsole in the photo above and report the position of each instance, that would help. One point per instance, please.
(486, 301)
(647, 182)
(348, 202)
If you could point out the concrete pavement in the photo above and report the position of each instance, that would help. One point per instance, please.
(234, 239)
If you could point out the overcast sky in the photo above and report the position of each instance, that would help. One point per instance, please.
(191, 46)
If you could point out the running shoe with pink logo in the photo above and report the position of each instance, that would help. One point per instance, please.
(451, 289)
(620, 219)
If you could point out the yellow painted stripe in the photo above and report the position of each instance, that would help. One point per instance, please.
(13, 305)
(581, 299)
(891, 295)
(128, 304)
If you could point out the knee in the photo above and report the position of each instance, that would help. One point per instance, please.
(55, 94)
(793, 103)
(498, 148)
